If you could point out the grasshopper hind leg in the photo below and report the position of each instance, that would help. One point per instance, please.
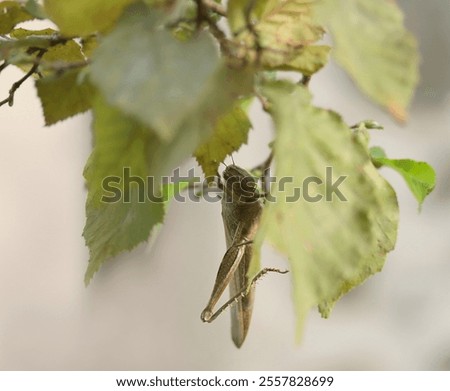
(241, 311)
(241, 314)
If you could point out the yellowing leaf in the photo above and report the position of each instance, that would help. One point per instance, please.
(282, 36)
(334, 216)
(286, 25)
(84, 17)
(237, 11)
(373, 46)
(307, 60)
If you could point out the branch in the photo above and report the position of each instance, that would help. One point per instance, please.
(17, 84)
(203, 8)
(3, 66)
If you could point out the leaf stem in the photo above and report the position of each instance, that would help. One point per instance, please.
(263, 101)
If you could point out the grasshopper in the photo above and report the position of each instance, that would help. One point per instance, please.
(241, 213)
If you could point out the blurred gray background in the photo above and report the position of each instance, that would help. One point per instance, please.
(142, 310)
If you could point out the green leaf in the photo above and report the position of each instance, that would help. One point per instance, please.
(419, 176)
(88, 45)
(336, 242)
(113, 227)
(223, 90)
(20, 33)
(156, 78)
(35, 9)
(230, 133)
(84, 17)
(219, 91)
(63, 96)
(182, 18)
(17, 49)
(68, 52)
(373, 46)
(59, 55)
(121, 141)
(11, 14)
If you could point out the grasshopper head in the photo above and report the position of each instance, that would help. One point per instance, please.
(239, 185)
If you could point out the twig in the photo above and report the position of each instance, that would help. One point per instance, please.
(264, 167)
(305, 80)
(215, 7)
(265, 164)
(203, 15)
(264, 103)
(217, 32)
(3, 66)
(18, 83)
